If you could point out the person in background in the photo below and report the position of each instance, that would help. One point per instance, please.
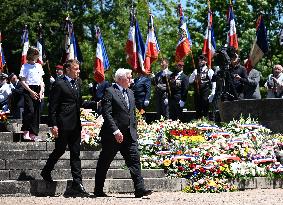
(162, 89)
(251, 89)
(59, 74)
(17, 97)
(64, 113)
(119, 133)
(274, 83)
(204, 87)
(141, 88)
(97, 91)
(179, 83)
(31, 78)
(5, 92)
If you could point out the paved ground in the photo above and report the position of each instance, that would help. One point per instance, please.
(252, 197)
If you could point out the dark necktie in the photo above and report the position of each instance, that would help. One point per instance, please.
(126, 97)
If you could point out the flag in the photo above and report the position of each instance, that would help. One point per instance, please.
(40, 45)
(232, 39)
(131, 48)
(25, 43)
(152, 47)
(135, 48)
(209, 45)
(101, 60)
(260, 45)
(70, 50)
(184, 44)
(140, 49)
(2, 58)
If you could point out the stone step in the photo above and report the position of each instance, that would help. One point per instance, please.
(39, 154)
(27, 174)
(61, 164)
(41, 188)
(6, 137)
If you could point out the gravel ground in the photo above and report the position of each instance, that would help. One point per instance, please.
(253, 197)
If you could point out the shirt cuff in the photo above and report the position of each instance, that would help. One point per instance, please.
(116, 132)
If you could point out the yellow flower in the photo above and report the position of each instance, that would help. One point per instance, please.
(167, 162)
(212, 183)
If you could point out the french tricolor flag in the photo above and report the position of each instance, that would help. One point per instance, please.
(152, 47)
(140, 49)
(131, 47)
(25, 43)
(184, 44)
(260, 45)
(39, 45)
(209, 45)
(2, 58)
(101, 60)
(232, 39)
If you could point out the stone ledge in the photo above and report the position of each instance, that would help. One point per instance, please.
(258, 183)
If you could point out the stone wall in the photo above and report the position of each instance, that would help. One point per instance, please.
(269, 112)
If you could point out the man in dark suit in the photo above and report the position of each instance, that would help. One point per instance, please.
(64, 115)
(179, 83)
(162, 90)
(141, 88)
(119, 133)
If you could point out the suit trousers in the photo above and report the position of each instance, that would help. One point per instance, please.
(72, 139)
(31, 115)
(175, 111)
(129, 150)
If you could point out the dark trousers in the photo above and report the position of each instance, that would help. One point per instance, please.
(201, 105)
(129, 150)
(72, 139)
(31, 115)
(161, 108)
(175, 111)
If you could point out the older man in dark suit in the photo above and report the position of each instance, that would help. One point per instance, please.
(119, 133)
(64, 115)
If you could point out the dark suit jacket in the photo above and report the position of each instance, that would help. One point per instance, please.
(179, 86)
(64, 105)
(117, 115)
(141, 90)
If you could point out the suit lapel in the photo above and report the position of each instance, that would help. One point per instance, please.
(70, 88)
(120, 95)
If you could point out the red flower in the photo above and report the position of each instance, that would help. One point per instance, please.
(180, 168)
(202, 170)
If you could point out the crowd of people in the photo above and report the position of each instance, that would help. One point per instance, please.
(117, 103)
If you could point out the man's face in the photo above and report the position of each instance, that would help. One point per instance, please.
(164, 65)
(14, 79)
(201, 62)
(59, 72)
(74, 71)
(125, 82)
(179, 67)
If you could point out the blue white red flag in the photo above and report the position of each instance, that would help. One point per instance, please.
(131, 47)
(101, 61)
(232, 39)
(209, 45)
(2, 58)
(135, 48)
(151, 47)
(40, 45)
(25, 43)
(260, 45)
(71, 50)
(140, 49)
(184, 44)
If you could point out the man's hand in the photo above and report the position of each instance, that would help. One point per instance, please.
(181, 103)
(119, 137)
(146, 103)
(166, 101)
(54, 131)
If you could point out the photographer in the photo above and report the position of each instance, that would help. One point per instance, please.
(231, 76)
(274, 83)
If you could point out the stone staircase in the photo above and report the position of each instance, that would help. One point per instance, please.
(21, 163)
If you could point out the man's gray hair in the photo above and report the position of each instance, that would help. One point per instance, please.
(121, 73)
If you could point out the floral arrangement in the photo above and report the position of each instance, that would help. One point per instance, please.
(209, 155)
(3, 121)
(91, 124)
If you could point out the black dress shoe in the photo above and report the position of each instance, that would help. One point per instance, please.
(77, 190)
(46, 176)
(141, 193)
(100, 194)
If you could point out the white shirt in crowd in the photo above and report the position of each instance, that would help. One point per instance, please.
(5, 91)
(32, 73)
